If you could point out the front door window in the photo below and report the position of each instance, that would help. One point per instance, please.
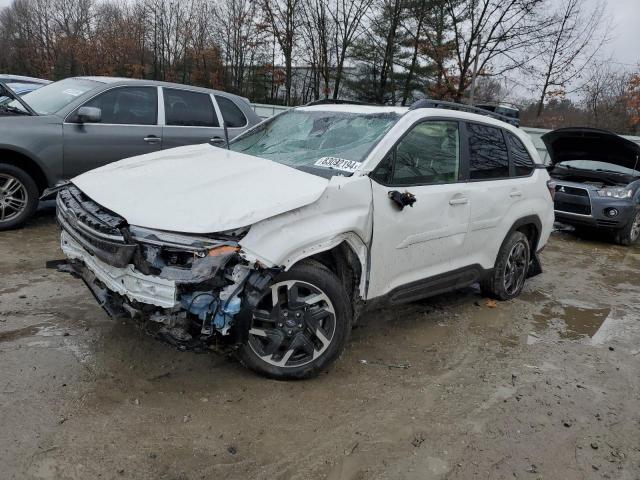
(126, 106)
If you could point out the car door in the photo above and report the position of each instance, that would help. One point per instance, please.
(492, 192)
(417, 242)
(128, 127)
(190, 118)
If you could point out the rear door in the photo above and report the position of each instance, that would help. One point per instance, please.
(493, 191)
(417, 242)
(189, 118)
(128, 127)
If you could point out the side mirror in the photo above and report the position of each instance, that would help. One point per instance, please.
(402, 199)
(89, 115)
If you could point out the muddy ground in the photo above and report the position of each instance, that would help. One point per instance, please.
(545, 386)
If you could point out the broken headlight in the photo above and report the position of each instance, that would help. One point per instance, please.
(164, 253)
(183, 241)
(615, 192)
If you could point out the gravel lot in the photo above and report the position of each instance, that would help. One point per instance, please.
(456, 387)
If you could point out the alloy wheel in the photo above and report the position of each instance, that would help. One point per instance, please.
(516, 268)
(293, 324)
(13, 197)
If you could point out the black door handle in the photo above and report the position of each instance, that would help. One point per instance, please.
(402, 199)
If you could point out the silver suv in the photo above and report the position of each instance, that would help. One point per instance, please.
(69, 127)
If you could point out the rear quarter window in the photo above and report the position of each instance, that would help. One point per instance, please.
(232, 115)
(523, 164)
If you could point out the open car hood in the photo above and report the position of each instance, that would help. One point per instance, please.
(199, 189)
(591, 144)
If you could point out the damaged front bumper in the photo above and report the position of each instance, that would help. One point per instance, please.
(191, 288)
(125, 281)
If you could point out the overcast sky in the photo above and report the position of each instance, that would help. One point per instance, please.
(625, 44)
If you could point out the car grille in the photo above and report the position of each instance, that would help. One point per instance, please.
(575, 191)
(572, 208)
(572, 200)
(94, 227)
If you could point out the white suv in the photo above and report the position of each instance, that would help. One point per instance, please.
(275, 245)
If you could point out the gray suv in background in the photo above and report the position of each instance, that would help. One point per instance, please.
(597, 176)
(69, 127)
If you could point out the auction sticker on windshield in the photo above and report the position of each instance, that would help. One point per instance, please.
(338, 164)
(73, 92)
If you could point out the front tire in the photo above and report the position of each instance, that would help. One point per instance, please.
(630, 234)
(300, 326)
(18, 196)
(510, 271)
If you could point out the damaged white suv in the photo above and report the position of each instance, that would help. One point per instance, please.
(275, 245)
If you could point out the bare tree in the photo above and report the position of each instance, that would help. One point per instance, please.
(605, 94)
(284, 19)
(347, 16)
(568, 47)
(318, 32)
(485, 31)
(236, 26)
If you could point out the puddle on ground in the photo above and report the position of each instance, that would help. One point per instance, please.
(569, 321)
(40, 330)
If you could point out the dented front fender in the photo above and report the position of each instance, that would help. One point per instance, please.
(342, 214)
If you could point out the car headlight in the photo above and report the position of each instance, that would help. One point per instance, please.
(187, 242)
(615, 192)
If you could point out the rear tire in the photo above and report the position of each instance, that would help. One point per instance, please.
(18, 196)
(300, 326)
(510, 271)
(630, 234)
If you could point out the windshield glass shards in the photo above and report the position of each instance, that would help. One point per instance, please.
(304, 139)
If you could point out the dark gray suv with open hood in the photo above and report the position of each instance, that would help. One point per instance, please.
(597, 176)
(69, 127)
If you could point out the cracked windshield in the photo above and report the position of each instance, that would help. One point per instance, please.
(324, 139)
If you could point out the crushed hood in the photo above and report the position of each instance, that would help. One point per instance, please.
(199, 189)
(591, 144)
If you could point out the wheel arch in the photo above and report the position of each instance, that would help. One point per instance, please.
(345, 256)
(28, 164)
(531, 226)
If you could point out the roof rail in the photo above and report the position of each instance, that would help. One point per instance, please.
(429, 103)
(339, 101)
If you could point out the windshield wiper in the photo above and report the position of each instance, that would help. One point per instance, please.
(6, 91)
(14, 110)
(608, 171)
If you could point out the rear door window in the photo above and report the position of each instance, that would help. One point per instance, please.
(127, 106)
(488, 156)
(522, 162)
(232, 115)
(188, 109)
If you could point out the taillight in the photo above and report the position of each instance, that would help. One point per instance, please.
(551, 185)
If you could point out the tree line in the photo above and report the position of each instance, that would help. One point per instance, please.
(295, 51)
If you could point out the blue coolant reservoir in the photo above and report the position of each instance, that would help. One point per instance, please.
(199, 303)
(226, 313)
